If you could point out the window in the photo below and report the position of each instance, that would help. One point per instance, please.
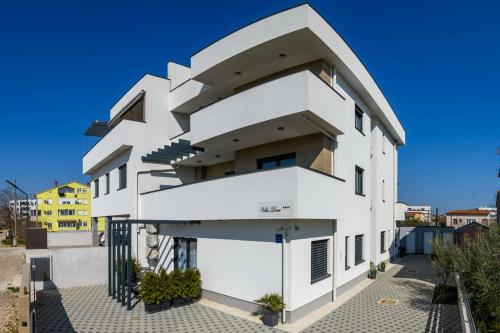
(84, 191)
(276, 161)
(319, 260)
(358, 119)
(96, 188)
(358, 249)
(358, 181)
(382, 242)
(122, 175)
(383, 190)
(471, 220)
(346, 257)
(383, 143)
(107, 184)
(79, 190)
(455, 221)
(48, 212)
(66, 212)
(70, 224)
(185, 250)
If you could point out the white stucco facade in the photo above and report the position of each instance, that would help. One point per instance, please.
(260, 154)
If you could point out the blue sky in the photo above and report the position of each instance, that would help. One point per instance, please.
(65, 63)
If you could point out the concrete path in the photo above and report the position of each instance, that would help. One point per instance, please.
(89, 309)
(411, 283)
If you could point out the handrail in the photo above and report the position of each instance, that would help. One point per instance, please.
(244, 174)
(467, 318)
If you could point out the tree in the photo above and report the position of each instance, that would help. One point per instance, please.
(6, 209)
(443, 259)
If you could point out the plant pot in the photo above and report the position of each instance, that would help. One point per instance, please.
(152, 308)
(270, 318)
(181, 301)
(373, 275)
(382, 269)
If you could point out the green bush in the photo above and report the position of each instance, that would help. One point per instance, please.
(478, 263)
(272, 302)
(162, 286)
(150, 289)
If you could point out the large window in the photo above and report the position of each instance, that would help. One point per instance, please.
(96, 188)
(358, 249)
(276, 161)
(358, 180)
(358, 119)
(185, 253)
(319, 260)
(382, 242)
(66, 212)
(346, 257)
(107, 184)
(122, 175)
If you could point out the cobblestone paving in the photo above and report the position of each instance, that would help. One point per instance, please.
(412, 284)
(89, 309)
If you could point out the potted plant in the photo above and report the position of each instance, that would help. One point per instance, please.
(271, 304)
(192, 284)
(155, 291)
(381, 266)
(179, 290)
(373, 271)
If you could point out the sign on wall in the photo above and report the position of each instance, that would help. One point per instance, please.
(276, 208)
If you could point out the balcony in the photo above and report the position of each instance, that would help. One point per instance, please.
(116, 142)
(284, 193)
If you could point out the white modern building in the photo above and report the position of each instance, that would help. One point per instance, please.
(493, 212)
(271, 162)
(24, 208)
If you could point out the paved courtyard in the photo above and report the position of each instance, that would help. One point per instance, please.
(411, 283)
(89, 309)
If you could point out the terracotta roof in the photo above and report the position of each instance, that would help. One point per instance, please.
(469, 212)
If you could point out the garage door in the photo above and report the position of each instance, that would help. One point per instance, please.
(428, 242)
(410, 242)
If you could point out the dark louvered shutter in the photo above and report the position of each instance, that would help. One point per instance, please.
(319, 260)
(358, 249)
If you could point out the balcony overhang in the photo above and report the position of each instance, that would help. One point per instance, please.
(301, 35)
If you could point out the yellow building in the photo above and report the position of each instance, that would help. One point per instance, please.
(66, 207)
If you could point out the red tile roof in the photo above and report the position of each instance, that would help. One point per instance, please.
(469, 212)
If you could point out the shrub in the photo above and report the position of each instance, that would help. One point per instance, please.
(136, 269)
(373, 268)
(192, 283)
(478, 264)
(150, 289)
(272, 302)
(382, 265)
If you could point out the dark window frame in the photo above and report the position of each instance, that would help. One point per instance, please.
(277, 158)
(189, 241)
(382, 242)
(359, 257)
(122, 176)
(107, 184)
(96, 188)
(359, 182)
(358, 119)
(319, 251)
(346, 255)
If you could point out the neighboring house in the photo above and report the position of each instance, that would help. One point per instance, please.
(493, 213)
(469, 231)
(271, 163)
(65, 207)
(422, 213)
(401, 209)
(459, 218)
(24, 208)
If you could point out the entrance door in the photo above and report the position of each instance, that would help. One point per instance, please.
(428, 242)
(410, 242)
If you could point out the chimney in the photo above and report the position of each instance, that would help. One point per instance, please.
(56, 183)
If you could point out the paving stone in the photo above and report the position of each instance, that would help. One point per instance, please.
(413, 313)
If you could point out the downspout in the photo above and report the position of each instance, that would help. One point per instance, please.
(394, 191)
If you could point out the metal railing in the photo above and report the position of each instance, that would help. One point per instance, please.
(468, 323)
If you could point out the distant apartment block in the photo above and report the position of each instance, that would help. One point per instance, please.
(459, 218)
(24, 208)
(493, 213)
(406, 212)
(65, 207)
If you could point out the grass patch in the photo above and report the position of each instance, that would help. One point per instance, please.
(13, 289)
(8, 242)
